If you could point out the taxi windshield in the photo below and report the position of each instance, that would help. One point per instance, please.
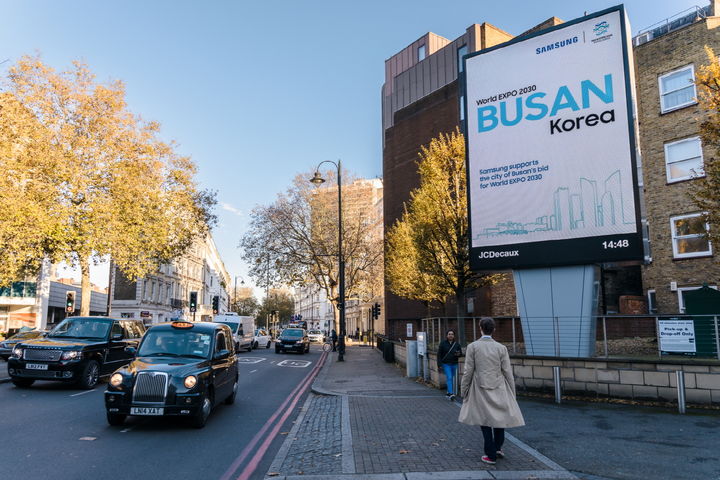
(89, 328)
(175, 343)
(293, 332)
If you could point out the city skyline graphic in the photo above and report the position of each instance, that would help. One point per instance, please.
(568, 212)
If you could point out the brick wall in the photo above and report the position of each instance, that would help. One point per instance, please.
(652, 59)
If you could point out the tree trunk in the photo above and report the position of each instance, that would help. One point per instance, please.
(85, 286)
(459, 303)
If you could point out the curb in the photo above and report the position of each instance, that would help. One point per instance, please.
(316, 388)
(5, 380)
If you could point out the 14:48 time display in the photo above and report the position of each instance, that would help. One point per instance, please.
(617, 244)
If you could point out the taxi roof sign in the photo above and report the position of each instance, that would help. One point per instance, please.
(182, 324)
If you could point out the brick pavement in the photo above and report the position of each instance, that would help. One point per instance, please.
(364, 419)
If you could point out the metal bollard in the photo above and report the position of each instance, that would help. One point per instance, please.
(558, 389)
(681, 390)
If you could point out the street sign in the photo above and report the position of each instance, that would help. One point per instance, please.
(677, 336)
(409, 327)
(422, 343)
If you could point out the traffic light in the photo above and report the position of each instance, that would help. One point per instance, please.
(216, 305)
(193, 302)
(376, 311)
(69, 302)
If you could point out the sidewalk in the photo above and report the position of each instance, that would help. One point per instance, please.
(364, 419)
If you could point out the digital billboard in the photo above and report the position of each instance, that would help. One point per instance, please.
(551, 166)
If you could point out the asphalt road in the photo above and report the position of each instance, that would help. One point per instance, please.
(54, 429)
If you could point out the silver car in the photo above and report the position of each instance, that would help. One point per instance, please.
(316, 336)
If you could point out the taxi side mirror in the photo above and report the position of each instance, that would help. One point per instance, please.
(221, 355)
(131, 350)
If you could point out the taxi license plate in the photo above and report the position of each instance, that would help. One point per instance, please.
(36, 366)
(146, 411)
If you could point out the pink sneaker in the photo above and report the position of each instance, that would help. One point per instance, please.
(487, 460)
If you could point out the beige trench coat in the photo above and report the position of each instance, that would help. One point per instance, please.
(488, 387)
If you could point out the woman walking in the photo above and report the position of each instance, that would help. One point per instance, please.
(488, 390)
(447, 359)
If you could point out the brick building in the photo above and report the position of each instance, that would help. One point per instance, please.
(666, 60)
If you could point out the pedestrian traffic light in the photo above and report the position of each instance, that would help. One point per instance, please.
(216, 305)
(70, 302)
(193, 302)
(376, 311)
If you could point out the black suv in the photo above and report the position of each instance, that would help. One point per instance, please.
(293, 339)
(78, 350)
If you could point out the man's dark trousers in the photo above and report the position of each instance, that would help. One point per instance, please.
(494, 439)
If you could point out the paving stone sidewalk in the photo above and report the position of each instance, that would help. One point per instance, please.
(364, 419)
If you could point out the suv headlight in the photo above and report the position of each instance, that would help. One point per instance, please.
(190, 381)
(17, 352)
(71, 355)
(116, 379)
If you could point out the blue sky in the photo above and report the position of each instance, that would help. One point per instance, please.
(257, 92)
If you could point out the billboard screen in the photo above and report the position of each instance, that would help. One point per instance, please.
(551, 148)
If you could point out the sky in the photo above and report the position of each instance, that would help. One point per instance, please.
(257, 92)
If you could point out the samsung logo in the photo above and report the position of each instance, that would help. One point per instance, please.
(556, 45)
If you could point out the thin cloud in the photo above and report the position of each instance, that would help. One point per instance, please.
(231, 209)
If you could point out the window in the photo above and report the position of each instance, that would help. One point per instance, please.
(684, 159)
(652, 302)
(677, 89)
(681, 296)
(462, 51)
(421, 53)
(688, 236)
(462, 107)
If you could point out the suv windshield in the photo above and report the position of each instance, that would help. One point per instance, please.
(91, 328)
(175, 343)
(233, 326)
(292, 332)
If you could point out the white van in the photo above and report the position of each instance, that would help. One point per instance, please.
(243, 328)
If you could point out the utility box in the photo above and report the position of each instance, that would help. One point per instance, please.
(412, 358)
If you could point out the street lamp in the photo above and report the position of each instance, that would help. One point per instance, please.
(317, 180)
(242, 282)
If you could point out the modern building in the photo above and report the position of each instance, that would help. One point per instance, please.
(667, 57)
(164, 295)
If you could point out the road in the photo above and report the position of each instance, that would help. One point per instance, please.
(53, 427)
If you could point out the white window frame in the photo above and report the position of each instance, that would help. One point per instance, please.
(652, 301)
(681, 302)
(667, 163)
(674, 237)
(662, 94)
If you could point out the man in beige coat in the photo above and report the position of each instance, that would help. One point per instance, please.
(488, 391)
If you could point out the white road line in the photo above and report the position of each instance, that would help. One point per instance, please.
(127, 429)
(253, 371)
(82, 393)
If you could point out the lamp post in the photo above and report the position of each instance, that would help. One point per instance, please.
(317, 180)
(242, 282)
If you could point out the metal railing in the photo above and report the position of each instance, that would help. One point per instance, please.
(622, 336)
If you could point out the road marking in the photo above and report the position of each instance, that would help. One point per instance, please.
(82, 393)
(127, 429)
(253, 371)
(292, 399)
(294, 363)
(89, 439)
(251, 360)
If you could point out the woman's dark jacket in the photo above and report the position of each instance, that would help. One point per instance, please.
(447, 355)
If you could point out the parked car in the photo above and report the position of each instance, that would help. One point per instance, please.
(262, 338)
(293, 339)
(316, 336)
(78, 350)
(6, 346)
(242, 328)
(182, 369)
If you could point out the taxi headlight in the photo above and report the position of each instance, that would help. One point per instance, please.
(116, 380)
(17, 352)
(71, 355)
(190, 381)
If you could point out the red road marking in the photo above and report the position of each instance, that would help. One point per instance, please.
(297, 393)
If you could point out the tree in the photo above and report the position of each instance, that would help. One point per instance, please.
(705, 190)
(279, 301)
(118, 190)
(427, 255)
(295, 240)
(246, 306)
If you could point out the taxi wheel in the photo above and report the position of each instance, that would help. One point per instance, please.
(231, 399)
(200, 418)
(116, 419)
(255, 345)
(89, 376)
(23, 382)
(267, 345)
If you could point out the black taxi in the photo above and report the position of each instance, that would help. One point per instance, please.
(180, 369)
